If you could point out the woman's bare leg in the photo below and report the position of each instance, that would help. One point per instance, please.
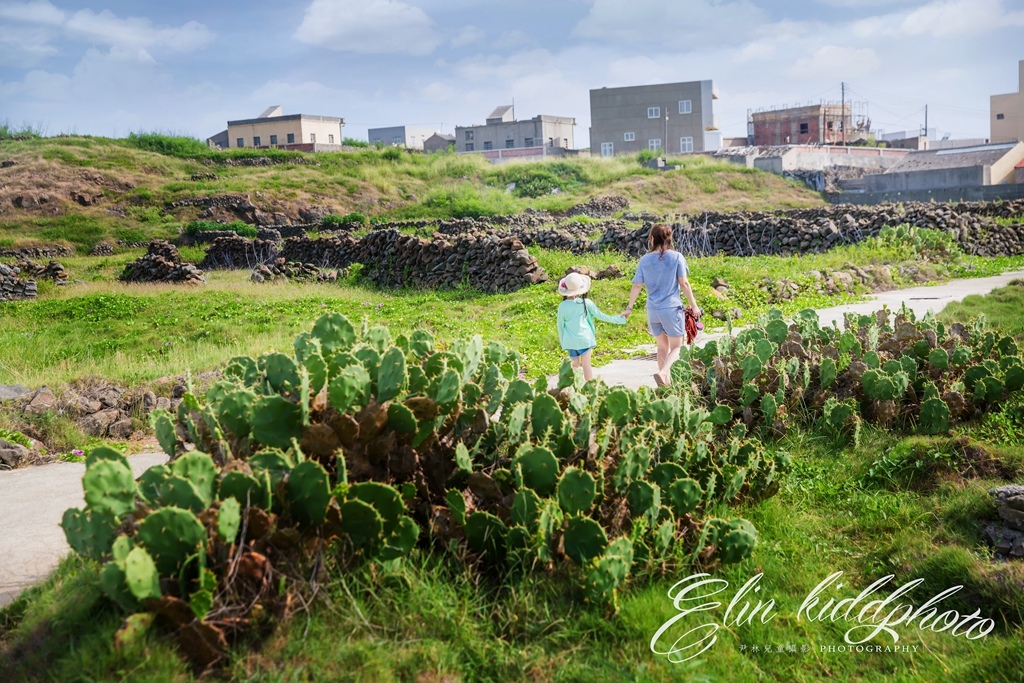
(668, 356)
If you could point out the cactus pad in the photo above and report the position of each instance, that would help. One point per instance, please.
(539, 468)
(171, 535)
(584, 539)
(576, 491)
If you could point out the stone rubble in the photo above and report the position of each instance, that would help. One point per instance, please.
(162, 263)
(1008, 538)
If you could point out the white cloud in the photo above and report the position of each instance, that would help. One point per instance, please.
(772, 37)
(836, 62)
(951, 19)
(468, 36)
(38, 84)
(960, 18)
(24, 47)
(638, 70)
(438, 92)
(37, 12)
(105, 28)
(683, 24)
(368, 27)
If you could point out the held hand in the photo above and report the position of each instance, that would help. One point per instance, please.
(625, 313)
(697, 312)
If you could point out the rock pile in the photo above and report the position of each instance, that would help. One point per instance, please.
(391, 259)
(196, 177)
(599, 207)
(235, 251)
(162, 263)
(13, 288)
(1008, 538)
(272, 234)
(51, 271)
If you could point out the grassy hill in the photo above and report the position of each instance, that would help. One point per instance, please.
(81, 190)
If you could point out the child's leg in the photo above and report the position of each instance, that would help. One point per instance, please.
(588, 373)
(576, 361)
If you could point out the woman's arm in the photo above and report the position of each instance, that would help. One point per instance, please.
(684, 285)
(633, 294)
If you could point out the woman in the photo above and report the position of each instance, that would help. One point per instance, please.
(663, 272)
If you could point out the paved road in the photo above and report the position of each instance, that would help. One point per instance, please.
(634, 373)
(33, 500)
(32, 503)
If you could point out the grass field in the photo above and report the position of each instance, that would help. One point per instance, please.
(906, 506)
(909, 507)
(135, 180)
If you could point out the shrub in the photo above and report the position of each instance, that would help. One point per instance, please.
(350, 221)
(352, 142)
(176, 146)
(392, 154)
(238, 227)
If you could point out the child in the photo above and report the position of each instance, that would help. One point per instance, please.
(576, 321)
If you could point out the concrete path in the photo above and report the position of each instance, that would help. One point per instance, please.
(637, 372)
(33, 500)
(32, 503)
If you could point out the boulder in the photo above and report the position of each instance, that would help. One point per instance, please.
(98, 423)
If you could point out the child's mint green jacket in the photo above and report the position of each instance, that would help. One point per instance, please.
(576, 323)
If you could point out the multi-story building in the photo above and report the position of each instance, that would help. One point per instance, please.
(410, 137)
(272, 128)
(1007, 112)
(438, 142)
(542, 134)
(822, 124)
(676, 118)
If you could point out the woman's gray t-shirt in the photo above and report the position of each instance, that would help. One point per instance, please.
(660, 274)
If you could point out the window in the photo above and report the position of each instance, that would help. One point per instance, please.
(312, 137)
(654, 144)
(685, 144)
(829, 125)
(240, 142)
(330, 139)
(654, 112)
(488, 144)
(469, 146)
(273, 139)
(805, 128)
(256, 142)
(378, 141)
(685, 107)
(469, 135)
(528, 142)
(628, 137)
(291, 138)
(551, 142)
(510, 144)
(607, 149)
(999, 117)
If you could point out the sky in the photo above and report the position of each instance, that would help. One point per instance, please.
(186, 67)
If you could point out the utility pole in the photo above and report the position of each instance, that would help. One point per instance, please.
(842, 111)
(926, 122)
(665, 146)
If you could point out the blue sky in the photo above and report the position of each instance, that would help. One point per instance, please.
(110, 67)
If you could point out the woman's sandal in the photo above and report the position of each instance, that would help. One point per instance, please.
(659, 380)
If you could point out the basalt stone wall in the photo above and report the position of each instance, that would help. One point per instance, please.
(44, 252)
(747, 233)
(13, 288)
(235, 251)
(391, 259)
